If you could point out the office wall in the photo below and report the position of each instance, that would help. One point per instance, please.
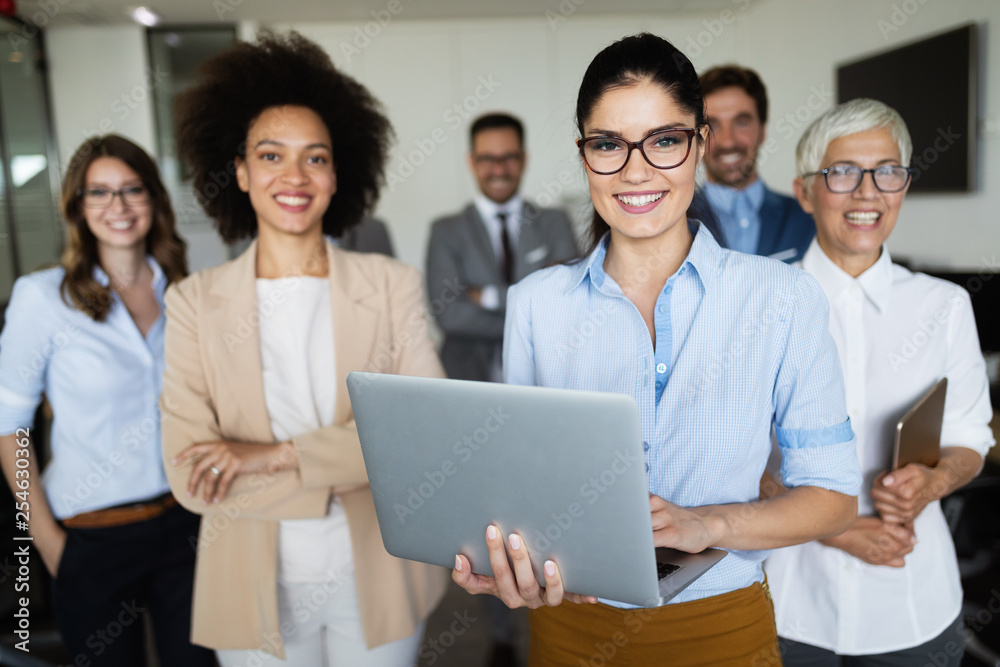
(797, 46)
(100, 83)
(434, 76)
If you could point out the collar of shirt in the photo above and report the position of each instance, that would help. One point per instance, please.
(159, 279)
(875, 283)
(703, 258)
(723, 198)
(489, 209)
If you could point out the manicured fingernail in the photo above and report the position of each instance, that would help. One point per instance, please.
(458, 563)
(515, 542)
(491, 532)
(888, 480)
(550, 568)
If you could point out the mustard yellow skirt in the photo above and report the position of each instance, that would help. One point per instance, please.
(735, 629)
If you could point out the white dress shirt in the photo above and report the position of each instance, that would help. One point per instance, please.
(490, 211)
(300, 390)
(898, 333)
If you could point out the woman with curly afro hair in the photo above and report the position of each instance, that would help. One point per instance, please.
(258, 434)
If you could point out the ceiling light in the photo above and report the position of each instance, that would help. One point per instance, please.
(145, 16)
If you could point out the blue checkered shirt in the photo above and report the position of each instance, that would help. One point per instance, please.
(742, 344)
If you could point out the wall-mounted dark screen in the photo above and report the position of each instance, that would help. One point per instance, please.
(932, 84)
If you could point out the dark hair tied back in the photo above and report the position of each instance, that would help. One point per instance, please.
(643, 58)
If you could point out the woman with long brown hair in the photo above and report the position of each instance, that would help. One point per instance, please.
(89, 335)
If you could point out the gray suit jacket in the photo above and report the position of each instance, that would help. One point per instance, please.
(460, 255)
(370, 235)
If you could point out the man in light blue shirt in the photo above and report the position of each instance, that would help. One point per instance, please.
(755, 220)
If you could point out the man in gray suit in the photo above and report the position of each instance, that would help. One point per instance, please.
(495, 241)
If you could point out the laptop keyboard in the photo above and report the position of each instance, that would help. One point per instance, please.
(664, 570)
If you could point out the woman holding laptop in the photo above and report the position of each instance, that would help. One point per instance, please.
(887, 591)
(715, 347)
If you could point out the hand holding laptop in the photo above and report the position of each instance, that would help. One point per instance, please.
(514, 582)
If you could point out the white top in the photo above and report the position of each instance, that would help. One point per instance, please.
(300, 390)
(898, 333)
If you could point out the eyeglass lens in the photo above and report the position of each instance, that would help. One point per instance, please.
(663, 150)
(843, 179)
(134, 195)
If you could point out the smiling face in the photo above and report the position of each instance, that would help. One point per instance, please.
(852, 227)
(641, 201)
(737, 134)
(497, 161)
(119, 225)
(288, 171)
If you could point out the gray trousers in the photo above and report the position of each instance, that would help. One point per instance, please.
(945, 650)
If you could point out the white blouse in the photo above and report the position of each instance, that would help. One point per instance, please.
(897, 333)
(300, 390)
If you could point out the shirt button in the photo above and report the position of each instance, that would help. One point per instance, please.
(662, 309)
(645, 446)
(647, 467)
(661, 368)
(668, 289)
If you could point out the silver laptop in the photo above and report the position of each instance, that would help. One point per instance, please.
(918, 433)
(564, 469)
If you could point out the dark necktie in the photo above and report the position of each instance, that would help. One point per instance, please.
(507, 261)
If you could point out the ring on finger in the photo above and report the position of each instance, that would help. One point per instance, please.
(215, 471)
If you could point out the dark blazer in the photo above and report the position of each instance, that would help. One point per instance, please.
(370, 235)
(785, 229)
(460, 255)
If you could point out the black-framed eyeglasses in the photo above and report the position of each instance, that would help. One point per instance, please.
(507, 159)
(843, 178)
(132, 195)
(663, 149)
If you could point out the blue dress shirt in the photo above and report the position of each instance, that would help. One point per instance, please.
(739, 213)
(742, 344)
(102, 379)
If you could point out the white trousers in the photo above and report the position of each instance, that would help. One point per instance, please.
(321, 627)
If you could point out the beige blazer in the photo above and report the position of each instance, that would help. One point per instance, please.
(213, 388)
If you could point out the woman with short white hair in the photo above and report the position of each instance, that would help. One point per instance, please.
(887, 591)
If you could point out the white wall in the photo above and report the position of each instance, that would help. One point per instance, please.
(428, 75)
(99, 83)
(435, 77)
(796, 46)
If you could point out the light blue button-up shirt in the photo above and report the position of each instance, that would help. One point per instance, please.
(102, 379)
(738, 212)
(742, 344)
